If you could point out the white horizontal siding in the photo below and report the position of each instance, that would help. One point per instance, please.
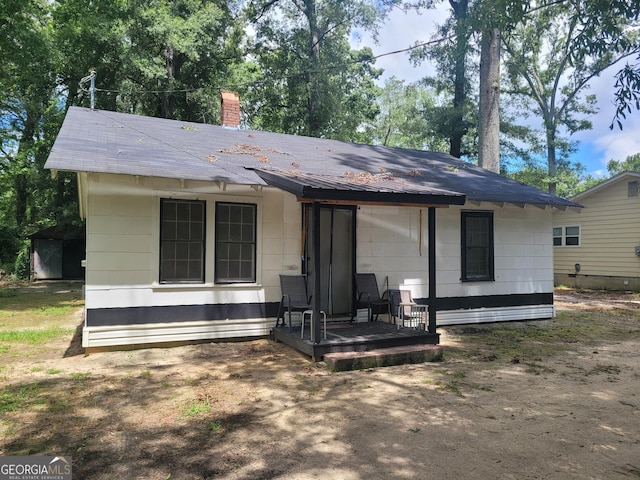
(120, 335)
(507, 314)
(389, 245)
(123, 242)
(123, 251)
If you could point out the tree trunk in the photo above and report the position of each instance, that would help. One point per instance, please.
(459, 128)
(314, 87)
(23, 157)
(489, 108)
(551, 159)
(167, 100)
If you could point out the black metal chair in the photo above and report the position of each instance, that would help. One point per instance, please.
(294, 297)
(368, 295)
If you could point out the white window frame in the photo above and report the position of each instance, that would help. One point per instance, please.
(564, 235)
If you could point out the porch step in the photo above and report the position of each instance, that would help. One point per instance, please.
(383, 357)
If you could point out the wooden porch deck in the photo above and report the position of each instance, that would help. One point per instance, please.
(354, 337)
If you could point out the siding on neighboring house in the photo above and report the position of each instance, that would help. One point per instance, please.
(609, 233)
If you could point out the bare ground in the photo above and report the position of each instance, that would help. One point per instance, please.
(552, 399)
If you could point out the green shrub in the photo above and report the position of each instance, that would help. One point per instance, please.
(22, 267)
(9, 246)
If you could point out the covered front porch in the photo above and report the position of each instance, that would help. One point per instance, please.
(320, 191)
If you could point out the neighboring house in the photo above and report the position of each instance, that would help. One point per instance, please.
(57, 253)
(189, 227)
(600, 246)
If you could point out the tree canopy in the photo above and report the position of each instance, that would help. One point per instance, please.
(295, 69)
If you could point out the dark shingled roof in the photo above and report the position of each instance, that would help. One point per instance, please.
(109, 142)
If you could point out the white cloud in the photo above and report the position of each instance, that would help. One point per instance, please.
(610, 144)
(618, 145)
(400, 31)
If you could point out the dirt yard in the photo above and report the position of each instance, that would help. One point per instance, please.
(553, 399)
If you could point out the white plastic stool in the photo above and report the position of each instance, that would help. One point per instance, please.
(310, 313)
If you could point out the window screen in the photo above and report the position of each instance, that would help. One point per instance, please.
(182, 228)
(477, 246)
(235, 243)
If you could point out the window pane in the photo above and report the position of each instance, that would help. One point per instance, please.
(235, 233)
(572, 231)
(557, 241)
(196, 231)
(197, 212)
(183, 211)
(169, 211)
(572, 241)
(557, 231)
(234, 251)
(247, 233)
(182, 270)
(169, 231)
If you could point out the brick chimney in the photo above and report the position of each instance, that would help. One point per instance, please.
(229, 109)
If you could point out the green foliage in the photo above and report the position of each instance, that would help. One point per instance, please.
(9, 247)
(570, 179)
(630, 164)
(548, 69)
(22, 267)
(408, 118)
(451, 50)
(158, 58)
(318, 85)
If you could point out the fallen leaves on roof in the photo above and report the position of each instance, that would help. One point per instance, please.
(366, 178)
(253, 150)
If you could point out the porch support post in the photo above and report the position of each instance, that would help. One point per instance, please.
(432, 269)
(316, 322)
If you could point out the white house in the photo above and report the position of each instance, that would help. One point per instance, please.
(188, 227)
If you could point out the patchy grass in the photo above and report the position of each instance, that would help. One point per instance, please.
(530, 343)
(196, 407)
(18, 398)
(33, 337)
(38, 305)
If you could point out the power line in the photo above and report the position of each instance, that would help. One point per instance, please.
(283, 77)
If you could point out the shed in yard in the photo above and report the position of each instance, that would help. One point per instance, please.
(57, 253)
(189, 227)
(599, 247)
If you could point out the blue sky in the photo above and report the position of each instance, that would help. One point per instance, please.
(596, 146)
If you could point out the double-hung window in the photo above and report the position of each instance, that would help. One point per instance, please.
(568, 236)
(235, 249)
(477, 246)
(182, 240)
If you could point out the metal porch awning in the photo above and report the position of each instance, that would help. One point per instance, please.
(360, 188)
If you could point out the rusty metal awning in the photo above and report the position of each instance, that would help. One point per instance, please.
(360, 188)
